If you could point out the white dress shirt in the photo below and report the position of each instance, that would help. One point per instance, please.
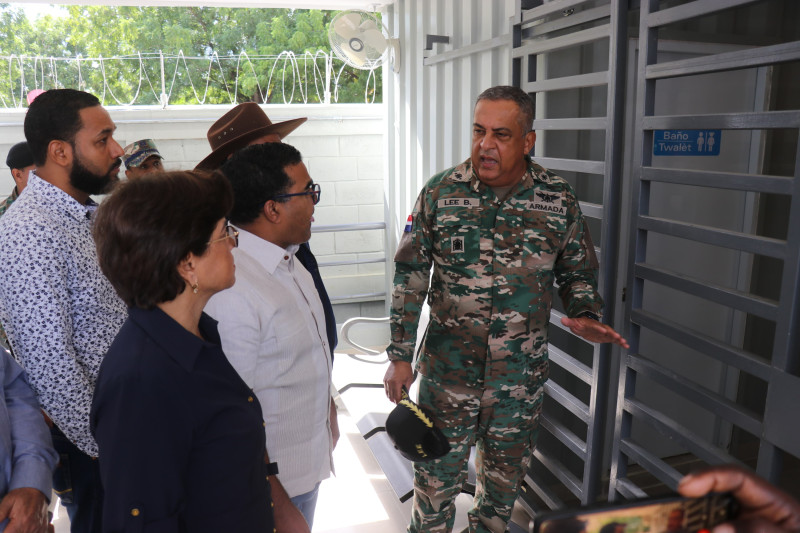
(272, 326)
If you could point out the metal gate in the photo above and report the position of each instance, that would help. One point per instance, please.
(555, 46)
(711, 376)
(710, 241)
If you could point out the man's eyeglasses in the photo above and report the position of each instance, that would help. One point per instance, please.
(230, 233)
(313, 190)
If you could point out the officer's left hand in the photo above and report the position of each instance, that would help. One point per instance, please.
(594, 331)
(399, 374)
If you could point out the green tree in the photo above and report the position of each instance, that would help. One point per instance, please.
(130, 39)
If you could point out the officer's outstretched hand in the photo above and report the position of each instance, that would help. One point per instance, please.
(594, 331)
(398, 375)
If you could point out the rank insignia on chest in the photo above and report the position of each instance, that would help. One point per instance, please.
(457, 245)
(458, 202)
(549, 202)
(409, 223)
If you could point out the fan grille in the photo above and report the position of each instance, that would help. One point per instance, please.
(359, 39)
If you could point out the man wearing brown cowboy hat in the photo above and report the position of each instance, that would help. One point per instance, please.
(245, 125)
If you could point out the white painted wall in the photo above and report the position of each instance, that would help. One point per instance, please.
(342, 145)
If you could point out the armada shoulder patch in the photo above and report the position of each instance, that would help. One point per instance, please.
(458, 202)
(549, 202)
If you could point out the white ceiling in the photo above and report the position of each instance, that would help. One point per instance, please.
(369, 5)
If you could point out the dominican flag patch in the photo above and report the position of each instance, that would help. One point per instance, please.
(409, 223)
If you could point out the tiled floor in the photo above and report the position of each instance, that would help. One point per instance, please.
(358, 499)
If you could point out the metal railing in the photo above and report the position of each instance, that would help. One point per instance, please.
(362, 226)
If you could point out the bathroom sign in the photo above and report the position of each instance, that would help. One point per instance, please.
(686, 142)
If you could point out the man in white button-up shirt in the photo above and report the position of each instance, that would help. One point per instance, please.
(272, 324)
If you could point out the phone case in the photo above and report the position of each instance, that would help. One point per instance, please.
(671, 514)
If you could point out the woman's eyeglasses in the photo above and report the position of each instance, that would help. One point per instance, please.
(313, 190)
(230, 233)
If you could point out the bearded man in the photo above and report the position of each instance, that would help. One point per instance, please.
(59, 311)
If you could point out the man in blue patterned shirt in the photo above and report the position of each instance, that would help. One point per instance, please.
(59, 311)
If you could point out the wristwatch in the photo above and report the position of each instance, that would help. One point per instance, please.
(589, 314)
(272, 469)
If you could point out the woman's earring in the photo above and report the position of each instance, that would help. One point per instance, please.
(194, 287)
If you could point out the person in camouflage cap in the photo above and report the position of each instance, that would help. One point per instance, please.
(498, 230)
(142, 157)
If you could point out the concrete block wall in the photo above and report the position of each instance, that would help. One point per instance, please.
(342, 146)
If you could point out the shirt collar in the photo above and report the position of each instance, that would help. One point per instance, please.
(57, 198)
(180, 344)
(465, 173)
(267, 254)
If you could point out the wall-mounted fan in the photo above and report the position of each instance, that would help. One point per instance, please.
(359, 39)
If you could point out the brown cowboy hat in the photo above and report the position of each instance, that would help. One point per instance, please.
(236, 128)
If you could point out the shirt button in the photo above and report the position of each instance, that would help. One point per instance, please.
(134, 512)
(286, 257)
(250, 399)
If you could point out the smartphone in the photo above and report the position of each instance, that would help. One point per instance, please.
(671, 514)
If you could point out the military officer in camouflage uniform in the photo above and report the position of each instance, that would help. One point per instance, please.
(498, 230)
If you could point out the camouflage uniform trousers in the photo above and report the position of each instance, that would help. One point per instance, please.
(502, 422)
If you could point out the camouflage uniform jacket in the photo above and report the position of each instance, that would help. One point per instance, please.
(5, 204)
(494, 264)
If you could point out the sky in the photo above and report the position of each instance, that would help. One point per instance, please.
(34, 10)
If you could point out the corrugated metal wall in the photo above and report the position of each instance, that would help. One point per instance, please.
(429, 103)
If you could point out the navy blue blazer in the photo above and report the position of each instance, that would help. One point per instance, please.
(181, 436)
(310, 262)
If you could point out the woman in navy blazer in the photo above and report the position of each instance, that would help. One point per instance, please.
(181, 436)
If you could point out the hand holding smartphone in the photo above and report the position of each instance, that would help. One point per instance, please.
(653, 515)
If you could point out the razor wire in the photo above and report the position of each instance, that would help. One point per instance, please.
(166, 79)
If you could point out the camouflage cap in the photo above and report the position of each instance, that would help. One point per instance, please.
(136, 153)
(413, 433)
